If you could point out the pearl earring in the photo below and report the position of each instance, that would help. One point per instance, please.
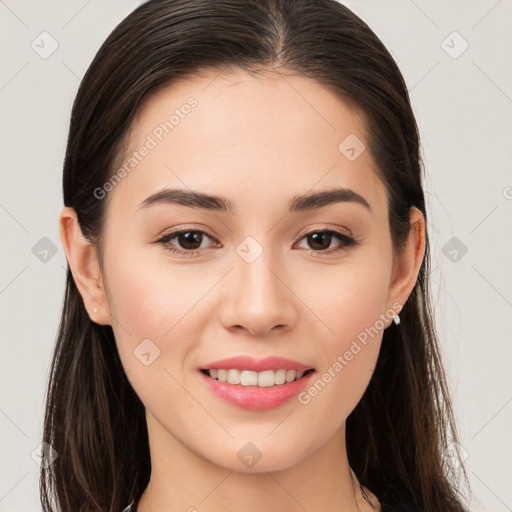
(95, 310)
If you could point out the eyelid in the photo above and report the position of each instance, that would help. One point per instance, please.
(304, 232)
(314, 229)
(177, 231)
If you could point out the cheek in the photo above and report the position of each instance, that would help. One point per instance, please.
(351, 304)
(150, 297)
(139, 301)
(350, 299)
(152, 305)
(154, 301)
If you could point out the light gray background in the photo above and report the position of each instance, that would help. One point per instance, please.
(463, 107)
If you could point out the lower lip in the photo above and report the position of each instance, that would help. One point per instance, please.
(254, 397)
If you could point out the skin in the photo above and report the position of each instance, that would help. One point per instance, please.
(257, 141)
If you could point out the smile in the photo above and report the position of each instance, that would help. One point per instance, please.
(249, 393)
(263, 379)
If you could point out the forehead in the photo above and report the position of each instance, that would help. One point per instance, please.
(272, 134)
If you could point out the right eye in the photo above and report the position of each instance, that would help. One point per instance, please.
(189, 239)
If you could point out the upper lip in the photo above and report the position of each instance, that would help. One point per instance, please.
(257, 365)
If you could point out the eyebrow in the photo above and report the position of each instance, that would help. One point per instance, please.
(306, 202)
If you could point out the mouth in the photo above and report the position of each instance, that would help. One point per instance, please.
(256, 391)
(256, 384)
(264, 379)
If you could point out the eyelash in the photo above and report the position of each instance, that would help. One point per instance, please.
(346, 240)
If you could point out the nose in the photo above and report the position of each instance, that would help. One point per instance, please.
(259, 298)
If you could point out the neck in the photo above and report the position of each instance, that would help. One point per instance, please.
(181, 480)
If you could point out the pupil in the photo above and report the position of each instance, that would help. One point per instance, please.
(316, 240)
(190, 237)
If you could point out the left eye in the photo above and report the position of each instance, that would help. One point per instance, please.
(191, 241)
(320, 239)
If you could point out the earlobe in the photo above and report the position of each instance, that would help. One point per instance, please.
(83, 262)
(408, 263)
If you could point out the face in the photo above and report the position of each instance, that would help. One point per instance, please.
(267, 275)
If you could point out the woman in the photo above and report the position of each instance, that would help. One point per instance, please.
(246, 322)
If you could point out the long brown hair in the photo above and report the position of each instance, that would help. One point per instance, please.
(401, 430)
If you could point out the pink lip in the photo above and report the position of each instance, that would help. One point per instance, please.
(254, 397)
(248, 363)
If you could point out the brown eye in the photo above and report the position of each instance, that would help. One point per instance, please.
(187, 241)
(320, 241)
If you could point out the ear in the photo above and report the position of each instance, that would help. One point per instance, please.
(83, 262)
(407, 265)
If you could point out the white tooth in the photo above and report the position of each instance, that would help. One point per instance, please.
(233, 376)
(280, 377)
(266, 378)
(290, 375)
(263, 379)
(248, 378)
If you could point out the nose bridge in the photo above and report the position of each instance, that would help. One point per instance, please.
(258, 298)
